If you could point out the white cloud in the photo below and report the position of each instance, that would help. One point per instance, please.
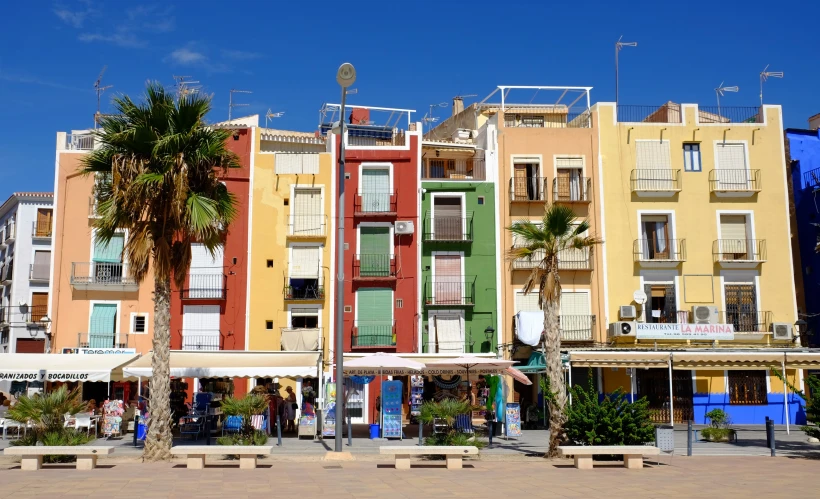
(240, 55)
(74, 18)
(187, 57)
(122, 38)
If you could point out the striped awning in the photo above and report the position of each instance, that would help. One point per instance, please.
(610, 358)
(803, 359)
(726, 360)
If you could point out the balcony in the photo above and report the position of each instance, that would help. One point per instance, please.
(374, 267)
(204, 286)
(739, 253)
(448, 229)
(36, 313)
(307, 226)
(454, 169)
(102, 340)
(79, 142)
(528, 190)
(747, 322)
(374, 136)
(5, 316)
(375, 204)
(201, 339)
(734, 183)
(10, 233)
(309, 289)
(102, 276)
(7, 272)
(654, 253)
(661, 182)
(41, 230)
(300, 339)
(568, 259)
(578, 328)
(373, 334)
(39, 273)
(568, 190)
(449, 291)
(811, 180)
(93, 208)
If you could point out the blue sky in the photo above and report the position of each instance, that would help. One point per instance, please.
(407, 55)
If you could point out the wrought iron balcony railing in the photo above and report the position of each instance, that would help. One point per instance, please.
(661, 180)
(41, 229)
(752, 321)
(201, 339)
(739, 250)
(374, 266)
(457, 291)
(102, 340)
(453, 169)
(577, 327)
(101, 274)
(204, 286)
(39, 272)
(375, 203)
(307, 226)
(738, 180)
(571, 190)
(528, 190)
(304, 289)
(667, 113)
(657, 250)
(373, 334)
(730, 114)
(448, 229)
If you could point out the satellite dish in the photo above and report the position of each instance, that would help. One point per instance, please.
(346, 75)
(639, 296)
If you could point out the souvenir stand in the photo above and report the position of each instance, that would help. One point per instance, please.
(391, 399)
(416, 395)
(112, 418)
(307, 418)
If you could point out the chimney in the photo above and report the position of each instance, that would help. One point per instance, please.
(458, 105)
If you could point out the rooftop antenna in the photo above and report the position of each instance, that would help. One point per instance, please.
(429, 118)
(719, 93)
(765, 75)
(618, 46)
(184, 87)
(270, 115)
(231, 105)
(99, 89)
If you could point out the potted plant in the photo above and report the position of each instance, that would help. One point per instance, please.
(718, 430)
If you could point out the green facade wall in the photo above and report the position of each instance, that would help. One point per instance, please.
(480, 260)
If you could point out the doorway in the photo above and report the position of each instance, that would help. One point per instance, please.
(654, 385)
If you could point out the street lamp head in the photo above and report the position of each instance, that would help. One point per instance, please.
(346, 75)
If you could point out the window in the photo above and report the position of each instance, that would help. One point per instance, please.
(200, 327)
(374, 246)
(448, 284)
(734, 241)
(139, 323)
(269, 325)
(657, 243)
(304, 274)
(731, 170)
(103, 326)
(42, 227)
(653, 166)
(480, 200)
(569, 185)
(741, 308)
(308, 219)
(445, 332)
(301, 318)
(41, 268)
(399, 303)
(662, 306)
(448, 215)
(374, 318)
(205, 276)
(107, 266)
(747, 387)
(691, 157)
(525, 182)
(532, 121)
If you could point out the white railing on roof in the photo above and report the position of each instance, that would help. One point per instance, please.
(79, 142)
(296, 163)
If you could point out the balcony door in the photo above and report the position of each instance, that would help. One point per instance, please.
(304, 272)
(200, 327)
(448, 218)
(374, 251)
(733, 237)
(525, 182)
(307, 212)
(43, 224)
(733, 173)
(576, 321)
(376, 190)
(448, 285)
(656, 242)
(206, 273)
(446, 332)
(103, 326)
(568, 179)
(374, 318)
(654, 165)
(661, 304)
(41, 268)
(107, 266)
(39, 306)
(741, 307)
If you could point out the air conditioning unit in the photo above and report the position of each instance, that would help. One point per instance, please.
(623, 328)
(405, 227)
(782, 331)
(627, 312)
(704, 314)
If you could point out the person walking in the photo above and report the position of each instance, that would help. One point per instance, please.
(290, 407)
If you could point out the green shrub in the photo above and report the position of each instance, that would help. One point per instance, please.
(714, 434)
(612, 420)
(258, 437)
(250, 405)
(446, 410)
(718, 419)
(812, 403)
(62, 437)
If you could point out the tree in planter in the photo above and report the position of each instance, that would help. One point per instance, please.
(157, 175)
(812, 404)
(447, 410)
(718, 430)
(611, 420)
(251, 405)
(558, 234)
(46, 413)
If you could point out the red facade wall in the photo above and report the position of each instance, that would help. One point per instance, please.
(405, 285)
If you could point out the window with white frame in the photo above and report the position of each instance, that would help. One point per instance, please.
(139, 323)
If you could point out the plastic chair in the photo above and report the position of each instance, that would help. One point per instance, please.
(232, 425)
(464, 423)
(258, 422)
(10, 423)
(83, 420)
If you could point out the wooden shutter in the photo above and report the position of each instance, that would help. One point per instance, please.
(39, 306)
(305, 262)
(741, 307)
(42, 265)
(307, 212)
(447, 277)
(43, 228)
(520, 182)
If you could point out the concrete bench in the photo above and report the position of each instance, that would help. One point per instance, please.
(195, 454)
(452, 453)
(633, 454)
(32, 456)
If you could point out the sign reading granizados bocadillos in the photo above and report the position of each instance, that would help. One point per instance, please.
(53, 376)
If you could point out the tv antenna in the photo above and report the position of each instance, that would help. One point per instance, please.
(618, 46)
(231, 105)
(184, 87)
(765, 75)
(430, 118)
(99, 89)
(719, 93)
(270, 115)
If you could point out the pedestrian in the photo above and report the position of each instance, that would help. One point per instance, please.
(491, 419)
(291, 406)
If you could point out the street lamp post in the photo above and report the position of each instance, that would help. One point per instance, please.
(346, 75)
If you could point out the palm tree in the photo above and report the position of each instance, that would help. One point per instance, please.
(557, 234)
(157, 177)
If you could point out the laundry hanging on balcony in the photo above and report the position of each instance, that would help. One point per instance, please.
(300, 339)
(529, 326)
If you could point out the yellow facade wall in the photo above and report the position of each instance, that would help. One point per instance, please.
(270, 240)
(614, 379)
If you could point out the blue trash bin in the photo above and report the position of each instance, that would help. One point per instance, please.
(141, 431)
(374, 431)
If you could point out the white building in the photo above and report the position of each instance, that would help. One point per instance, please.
(26, 226)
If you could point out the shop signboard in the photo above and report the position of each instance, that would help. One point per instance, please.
(513, 420)
(647, 331)
(329, 424)
(53, 375)
(101, 351)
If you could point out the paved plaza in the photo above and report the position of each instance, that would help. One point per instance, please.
(372, 477)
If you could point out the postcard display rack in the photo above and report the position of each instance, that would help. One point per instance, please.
(391, 407)
(416, 394)
(512, 424)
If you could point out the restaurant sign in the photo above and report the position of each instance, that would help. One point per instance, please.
(56, 375)
(101, 351)
(646, 331)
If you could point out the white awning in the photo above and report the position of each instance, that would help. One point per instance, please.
(437, 365)
(611, 358)
(232, 364)
(62, 367)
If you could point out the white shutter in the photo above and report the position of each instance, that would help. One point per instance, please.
(653, 155)
(731, 156)
(200, 319)
(733, 236)
(569, 163)
(203, 263)
(526, 302)
(296, 163)
(307, 212)
(574, 303)
(447, 333)
(304, 262)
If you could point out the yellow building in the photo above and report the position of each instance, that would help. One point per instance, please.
(698, 257)
(290, 253)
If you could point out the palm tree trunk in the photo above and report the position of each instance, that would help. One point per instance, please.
(555, 373)
(159, 440)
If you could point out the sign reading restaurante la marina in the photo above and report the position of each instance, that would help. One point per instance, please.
(646, 331)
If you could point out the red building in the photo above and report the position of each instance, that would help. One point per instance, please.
(209, 312)
(381, 235)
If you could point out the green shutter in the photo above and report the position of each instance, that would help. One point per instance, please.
(103, 322)
(374, 317)
(111, 252)
(374, 251)
(376, 190)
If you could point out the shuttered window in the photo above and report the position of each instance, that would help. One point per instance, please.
(446, 333)
(41, 269)
(653, 155)
(111, 252)
(205, 275)
(305, 262)
(448, 280)
(376, 189)
(733, 237)
(731, 156)
(374, 317)
(103, 326)
(526, 302)
(573, 303)
(448, 218)
(374, 250)
(307, 212)
(200, 327)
